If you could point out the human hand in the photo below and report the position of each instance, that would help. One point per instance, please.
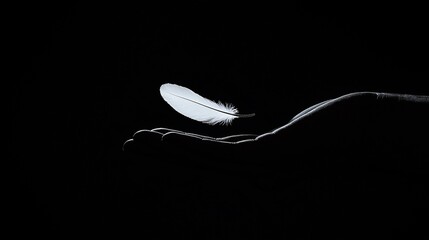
(354, 125)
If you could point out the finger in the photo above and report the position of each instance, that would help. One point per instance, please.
(144, 141)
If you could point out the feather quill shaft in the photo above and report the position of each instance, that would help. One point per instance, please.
(196, 107)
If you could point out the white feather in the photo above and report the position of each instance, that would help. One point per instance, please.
(198, 108)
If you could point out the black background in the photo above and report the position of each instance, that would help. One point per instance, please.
(90, 77)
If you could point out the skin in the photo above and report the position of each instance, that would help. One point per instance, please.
(362, 123)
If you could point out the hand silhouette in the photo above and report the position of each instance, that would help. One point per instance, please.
(353, 126)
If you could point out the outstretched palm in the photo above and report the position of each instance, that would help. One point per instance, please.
(363, 97)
